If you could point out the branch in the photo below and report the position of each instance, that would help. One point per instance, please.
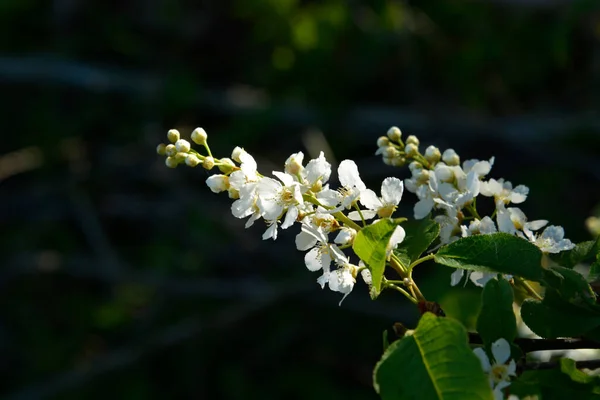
(589, 364)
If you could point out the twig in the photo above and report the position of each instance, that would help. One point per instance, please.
(589, 364)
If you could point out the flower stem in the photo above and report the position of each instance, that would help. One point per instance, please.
(404, 292)
(420, 260)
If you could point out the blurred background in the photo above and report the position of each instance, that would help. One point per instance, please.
(121, 278)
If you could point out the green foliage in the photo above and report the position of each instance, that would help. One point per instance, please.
(555, 317)
(370, 245)
(557, 384)
(498, 252)
(435, 362)
(420, 234)
(582, 252)
(497, 318)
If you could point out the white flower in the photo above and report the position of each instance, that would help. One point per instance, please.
(503, 192)
(293, 165)
(352, 185)
(479, 227)
(321, 252)
(275, 198)
(512, 220)
(316, 173)
(499, 372)
(247, 172)
(384, 206)
(345, 236)
(551, 240)
(342, 279)
(397, 237)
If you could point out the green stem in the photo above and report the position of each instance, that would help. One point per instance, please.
(404, 292)
(339, 215)
(360, 213)
(420, 260)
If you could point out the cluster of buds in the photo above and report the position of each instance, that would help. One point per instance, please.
(179, 151)
(395, 151)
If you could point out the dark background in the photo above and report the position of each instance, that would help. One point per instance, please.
(121, 278)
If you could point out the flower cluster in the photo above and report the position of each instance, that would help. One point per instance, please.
(298, 194)
(450, 190)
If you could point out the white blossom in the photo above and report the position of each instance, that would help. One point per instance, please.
(384, 206)
(551, 240)
(499, 372)
(320, 253)
(503, 192)
(274, 198)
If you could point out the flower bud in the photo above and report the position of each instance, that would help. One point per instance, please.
(171, 162)
(415, 166)
(388, 161)
(422, 176)
(383, 142)
(450, 157)
(161, 149)
(293, 165)
(236, 153)
(173, 135)
(443, 173)
(180, 157)
(183, 146)
(411, 149)
(192, 160)
(390, 152)
(394, 134)
(170, 150)
(218, 183)
(432, 154)
(226, 165)
(398, 161)
(208, 163)
(199, 136)
(412, 139)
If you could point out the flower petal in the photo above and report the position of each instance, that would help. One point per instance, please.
(501, 351)
(349, 176)
(391, 190)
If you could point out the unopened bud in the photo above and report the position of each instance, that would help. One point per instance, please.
(450, 157)
(180, 157)
(394, 134)
(415, 166)
(411, 149)
(226, 165)
(170, 150)
(208, 163)
(199, 136)
(171, 162)
(398, 161)
(383, 141)
(432, 154)
(161, 149)
(390, 152)
(412, 139)
(218, 183)
(192, 160)
(293, 165)
(388, 161)
(173, 135)
(183, 146)
(236, 153)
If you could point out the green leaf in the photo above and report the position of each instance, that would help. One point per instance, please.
(370, 245)
(420, 233)
(497, 318)
(496, 252)
(435, 362)
(571, 286)
(557, 384)
(555, 317)
(594, 275)
(584, 251)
